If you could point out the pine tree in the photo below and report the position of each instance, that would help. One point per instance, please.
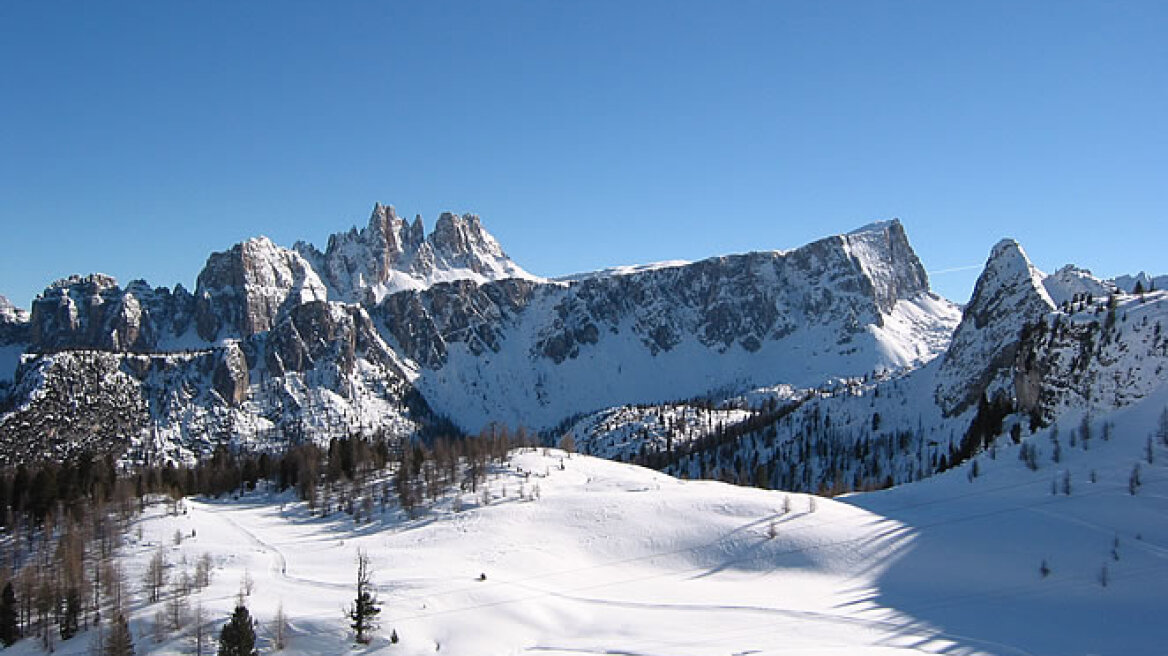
(9, 632)
(238, 636)
(120, 641)
(365, 609)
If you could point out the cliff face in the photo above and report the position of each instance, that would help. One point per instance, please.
(533, 353)
(390, 255)
(1008, 295)
(244, 291)
(388, 323)
(94, 312)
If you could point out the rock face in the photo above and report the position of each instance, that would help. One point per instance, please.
(391, 255)
(388, 323)
(1008, 295)
(231, 378)
(534, 353)
(94, 312)
(243, 291)
(14, 326)
(9, 313)
(317, 335)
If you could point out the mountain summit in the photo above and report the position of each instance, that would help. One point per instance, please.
(390, 328)
(390, 255)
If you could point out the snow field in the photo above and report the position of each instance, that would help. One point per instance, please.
(613, 558)
(609, 558)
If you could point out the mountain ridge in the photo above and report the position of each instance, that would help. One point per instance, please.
(277, 343)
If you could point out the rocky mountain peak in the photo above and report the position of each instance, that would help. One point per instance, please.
(242, 291)
(460, 242)
(391, 255)
(1146, 282)
(883, 253)
(1009, 294)
(1071, 281)
(9, 313)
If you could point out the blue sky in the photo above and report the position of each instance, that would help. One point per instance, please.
(136, 138)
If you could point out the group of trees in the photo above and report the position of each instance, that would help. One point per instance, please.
(63, 522)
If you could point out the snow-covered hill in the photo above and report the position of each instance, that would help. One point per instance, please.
(575, 555)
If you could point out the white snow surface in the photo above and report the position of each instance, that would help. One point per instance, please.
(623, 270)
(1063, 285)
(616, 559)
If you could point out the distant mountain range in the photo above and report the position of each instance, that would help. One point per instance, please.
(391, 330)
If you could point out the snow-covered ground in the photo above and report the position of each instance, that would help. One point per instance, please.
(615, 559)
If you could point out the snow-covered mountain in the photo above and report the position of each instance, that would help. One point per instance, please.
(1146, 282)
(1008, 294)
(523, 352)
(1032, 350)
(391, 255)
(449, 323)
(390, 329)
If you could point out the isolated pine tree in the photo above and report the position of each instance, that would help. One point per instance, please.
(238, 636)
(120, 641)
(365, 610)
(9, 632)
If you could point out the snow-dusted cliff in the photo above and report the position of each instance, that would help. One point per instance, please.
(528, 353)
(390, 329)
(391, 255)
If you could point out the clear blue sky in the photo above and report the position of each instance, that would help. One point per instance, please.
(136, 138)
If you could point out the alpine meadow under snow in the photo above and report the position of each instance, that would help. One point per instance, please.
(799, 451)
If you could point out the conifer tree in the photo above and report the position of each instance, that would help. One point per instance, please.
(365, 609)
(238, 636)
(9, 632)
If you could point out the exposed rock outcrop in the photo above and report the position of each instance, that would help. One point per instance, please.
(93, 312)
(1008, 295)
(245, 290)
(391, 255)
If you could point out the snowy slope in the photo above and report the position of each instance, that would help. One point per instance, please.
(622, 270)
(974, 562)
(612, 558)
